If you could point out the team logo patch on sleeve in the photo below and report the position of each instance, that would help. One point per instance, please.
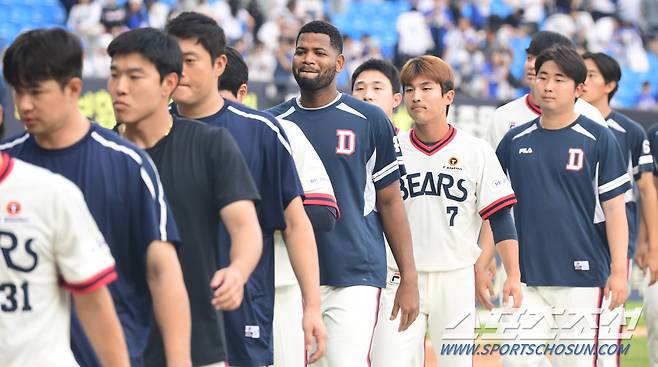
(13, 208)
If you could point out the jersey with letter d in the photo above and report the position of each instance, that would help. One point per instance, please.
(560, 177)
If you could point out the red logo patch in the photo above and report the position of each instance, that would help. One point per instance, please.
(13, 208)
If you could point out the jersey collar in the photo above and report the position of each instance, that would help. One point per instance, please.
(6, 166)
(299, 103)
(437, 146)
(531, 104)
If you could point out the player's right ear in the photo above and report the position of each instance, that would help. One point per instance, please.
(340, 63)
(74, 87)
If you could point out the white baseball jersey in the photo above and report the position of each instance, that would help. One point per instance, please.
(449, 188)
(50, 244)
(523, 109)
(316, 185)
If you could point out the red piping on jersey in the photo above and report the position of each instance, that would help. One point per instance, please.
(494, 207)
(104, 277)
(596, 333)
(322, 199)
(437, 146)
(6, 166)
(531, 104)
(379, 292)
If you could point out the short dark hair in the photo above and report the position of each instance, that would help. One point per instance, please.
(384, 67)
(567, 60)
(43, 54)
(608, 67)
(320, 26)
(236, 72)
(159, 48)
(544, 40)
(191, 25)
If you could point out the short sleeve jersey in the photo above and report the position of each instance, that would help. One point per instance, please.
(636, 150)
(202, 171)
(449, 189)
(356, 144)
(267, 153)
(122, 189)
(317, 191)
(560, 177)
(652, 134)
(50, 244)
(524, 109)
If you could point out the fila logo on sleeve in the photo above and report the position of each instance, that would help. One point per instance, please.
(576, 158)
(346, 142)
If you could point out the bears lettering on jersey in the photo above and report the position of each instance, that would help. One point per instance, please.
(412, 185)
(8, 244)
(346, 142)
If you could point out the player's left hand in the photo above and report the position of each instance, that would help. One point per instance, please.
(228, 285)
(651, 261)
(512, 287)
(314, 333)
(407, 301)
(616, 289)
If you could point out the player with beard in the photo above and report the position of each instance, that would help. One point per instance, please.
(356, 144)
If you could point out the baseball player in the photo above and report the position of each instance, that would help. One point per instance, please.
(526, 108)
(357, 147)
(216, 186)
(453, 182)
(51, 245)
(570, 177)
(603, 75)
(121, 187)
(289, 343)
(646, 258)
(377, 81)
(267, 152)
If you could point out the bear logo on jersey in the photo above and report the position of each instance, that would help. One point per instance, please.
(13, 208)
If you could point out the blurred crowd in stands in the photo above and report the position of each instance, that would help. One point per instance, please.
(484, 40)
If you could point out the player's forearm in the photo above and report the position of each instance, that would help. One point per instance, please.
(170, 303)
(96, 312)
(616, 226)
(396, 228)
(509, 253)
(649, 208)
(303, 252)
(487, 246)
(243, 228)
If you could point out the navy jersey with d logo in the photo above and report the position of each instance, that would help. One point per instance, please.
(356, 144)
(560, 177)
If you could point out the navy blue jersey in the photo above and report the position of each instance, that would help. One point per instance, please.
(652, 134)
(124, 195)
(635, 147)
(356, 144)
(560, 177)
(267, 153)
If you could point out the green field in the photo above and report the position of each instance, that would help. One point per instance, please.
(638, 354)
